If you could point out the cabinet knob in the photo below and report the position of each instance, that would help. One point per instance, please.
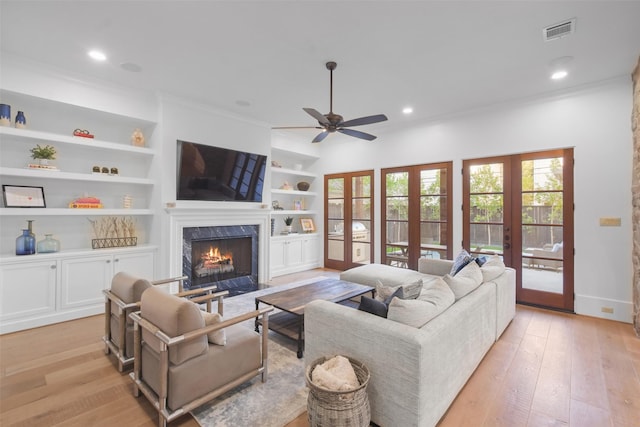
(53, 266)
(108, 261)
(116, 260)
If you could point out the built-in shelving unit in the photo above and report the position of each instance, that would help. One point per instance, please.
(298, 251)
(50, 122)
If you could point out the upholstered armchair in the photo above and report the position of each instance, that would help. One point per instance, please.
(124, 297)
(178, 367)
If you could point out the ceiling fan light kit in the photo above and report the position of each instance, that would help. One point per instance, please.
(331, 122)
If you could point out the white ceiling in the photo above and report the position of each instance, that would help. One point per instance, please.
(438, 57)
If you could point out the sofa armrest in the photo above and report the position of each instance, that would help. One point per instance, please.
(436, 267)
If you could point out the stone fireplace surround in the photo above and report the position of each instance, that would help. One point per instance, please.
(181, 218)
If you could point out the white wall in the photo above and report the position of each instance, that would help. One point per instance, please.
(594, 120)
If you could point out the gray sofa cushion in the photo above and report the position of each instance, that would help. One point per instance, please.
(369, 275)
(492, 268)
(467, 279)
(432, 301)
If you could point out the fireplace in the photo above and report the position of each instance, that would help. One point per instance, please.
(225, 256)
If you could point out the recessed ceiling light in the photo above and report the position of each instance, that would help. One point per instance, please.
(407, 110)
(97, 55)
(559, 75)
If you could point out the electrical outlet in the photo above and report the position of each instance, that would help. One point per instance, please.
(606, 310)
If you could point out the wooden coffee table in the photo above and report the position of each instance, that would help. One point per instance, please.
(290, 321)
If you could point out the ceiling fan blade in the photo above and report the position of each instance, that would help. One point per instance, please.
(322, 135)
(364, 120)
(357, 134)
(296, 127)
(317, 115)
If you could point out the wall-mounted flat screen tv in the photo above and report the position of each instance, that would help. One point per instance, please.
(219, 174)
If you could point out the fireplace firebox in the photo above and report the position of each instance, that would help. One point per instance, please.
(225, 256)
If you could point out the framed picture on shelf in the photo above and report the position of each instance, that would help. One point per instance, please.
(22, 196)
(307, 225)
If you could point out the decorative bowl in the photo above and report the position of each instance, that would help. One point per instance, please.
(303, 186)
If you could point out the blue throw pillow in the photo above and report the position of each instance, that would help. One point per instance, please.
(481, 260)
(461, 260)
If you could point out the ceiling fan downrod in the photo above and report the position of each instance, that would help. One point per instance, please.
(331, 66)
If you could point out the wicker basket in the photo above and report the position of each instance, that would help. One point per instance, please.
(329, 408)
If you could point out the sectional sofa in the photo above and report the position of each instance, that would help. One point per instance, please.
(416, 372)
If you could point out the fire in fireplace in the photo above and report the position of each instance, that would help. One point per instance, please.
(213, 262)
(225, 256)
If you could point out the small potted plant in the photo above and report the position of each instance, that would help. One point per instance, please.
(287, 222)
(43, 154)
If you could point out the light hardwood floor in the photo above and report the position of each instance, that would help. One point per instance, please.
(548, 369)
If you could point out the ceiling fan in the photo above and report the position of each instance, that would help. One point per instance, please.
(332, 122)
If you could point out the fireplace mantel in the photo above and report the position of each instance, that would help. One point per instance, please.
(184, 217)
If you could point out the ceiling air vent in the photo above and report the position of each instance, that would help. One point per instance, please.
(561, 29)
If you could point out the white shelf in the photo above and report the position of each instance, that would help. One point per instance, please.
(72, 212)
(71, 176)
(294, 192)
(12, 258)
(292, 212)
(287, 171)
(47, 137)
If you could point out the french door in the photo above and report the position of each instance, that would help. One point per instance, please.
(416, 213)
(348, 219)
(521, 208)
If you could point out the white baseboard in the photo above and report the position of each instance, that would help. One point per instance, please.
(593, 306)
(15, 325)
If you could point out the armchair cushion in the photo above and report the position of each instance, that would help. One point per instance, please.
(174, 316)
(210, 370)
(128, 288)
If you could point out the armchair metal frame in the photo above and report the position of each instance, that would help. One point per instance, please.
(159, 401)
(201, 295)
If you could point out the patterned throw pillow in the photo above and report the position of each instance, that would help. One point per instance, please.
(461, 260)
(408, 291)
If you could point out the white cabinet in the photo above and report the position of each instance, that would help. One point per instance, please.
(83, 280)
(293, 253)
(27, 290)
(37, 290)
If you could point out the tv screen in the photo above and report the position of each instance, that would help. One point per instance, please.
(219, 174)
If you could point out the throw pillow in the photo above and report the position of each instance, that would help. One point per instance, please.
(460, 261)
(373, 306)
(467, 279)
(379, 308)
(431, 302)
(408, 291)
(481, 260)
(493, 268)
(217, 337)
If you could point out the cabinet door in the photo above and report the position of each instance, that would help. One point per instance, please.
(83, 279)
(27, 289)
(310, 250)
(277, 256)
(137, 264)
(293, 252)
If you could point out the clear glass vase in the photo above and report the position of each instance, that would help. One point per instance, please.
(48, 244)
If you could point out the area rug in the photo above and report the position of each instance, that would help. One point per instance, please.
(274, 403)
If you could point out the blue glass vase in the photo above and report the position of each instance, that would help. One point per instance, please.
(25, 244)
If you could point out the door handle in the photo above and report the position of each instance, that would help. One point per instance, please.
(507, 245)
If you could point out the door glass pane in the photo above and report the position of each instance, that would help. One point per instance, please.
(542, 231)
(486, 207)
(433, 240)
(486, 238)
(433, 208)
(335, 219)
(486, 178)
(361, 186)
(397, 184)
